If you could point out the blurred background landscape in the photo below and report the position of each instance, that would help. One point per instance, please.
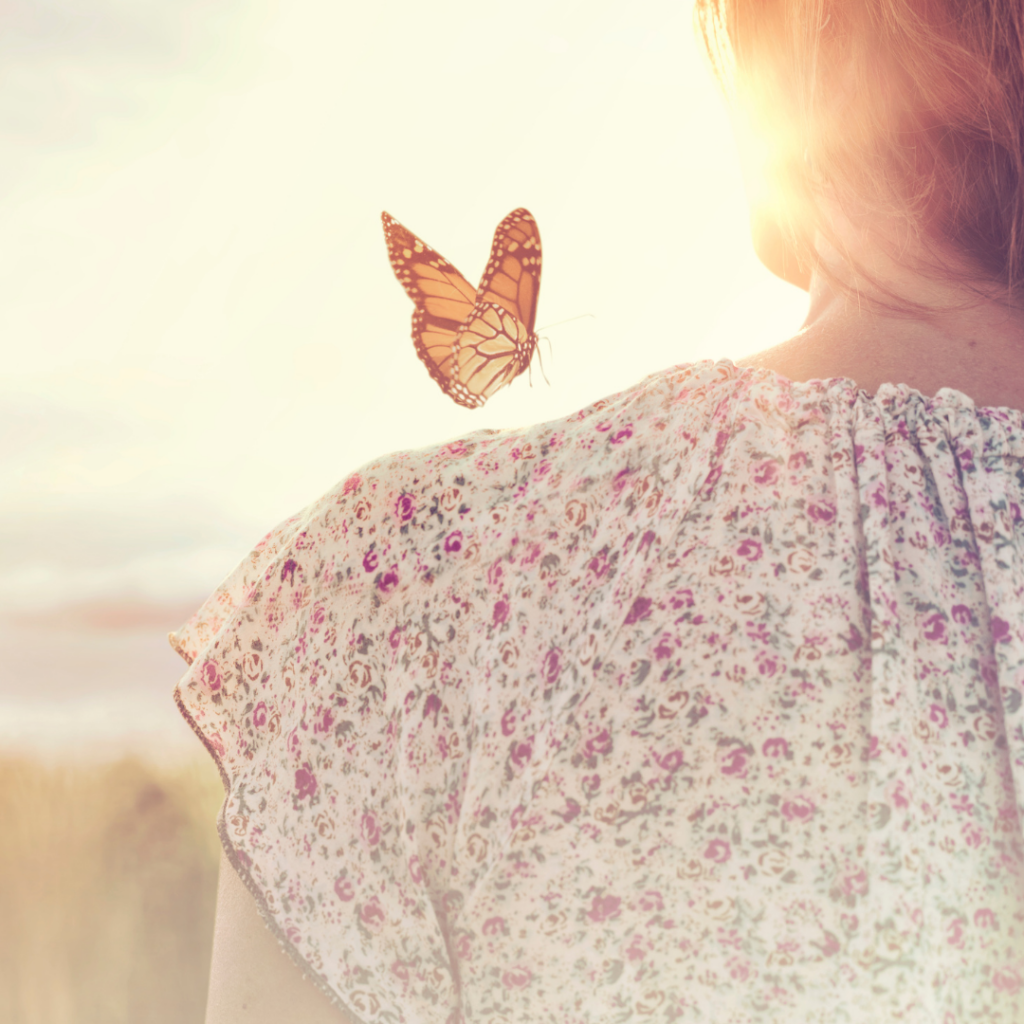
(201, 333)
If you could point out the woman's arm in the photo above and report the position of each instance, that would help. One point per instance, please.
(252, 980)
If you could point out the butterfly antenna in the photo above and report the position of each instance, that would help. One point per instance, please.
(558, 323)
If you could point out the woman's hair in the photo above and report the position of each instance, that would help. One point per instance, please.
(903, 113)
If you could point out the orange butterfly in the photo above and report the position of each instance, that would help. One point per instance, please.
(472, 341)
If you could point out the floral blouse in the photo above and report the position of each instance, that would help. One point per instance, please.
(701, 704)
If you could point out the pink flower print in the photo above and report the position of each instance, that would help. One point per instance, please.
(776, 747)
(604, 908)
(211, 677)
(494, 926)
(937, 713)
(521, 753)
(1000, 629)
(599, 745)
(343, 890)
(288, 571)
(821, 513)
(370, 561)
(640, 609)
(431, 706)
(935, 628)
(388, 580)
(638, 948)
(718, 850)
(259, 715)
(961, 614)
(599, 563)
(501, 611)
(739, 969)
(664, 648)
(352, 484)
(955, 932)
(572, 810)
(517, 977)
(622, 435)
(552, 665)
(750, 549)
(651, 901)
(591, 784)
(415, 871)
(985, 918)
(508, 722)
(1007, 979)
(404, 507)
(671, 762)
(371, 916)
(798, 809)
(797, 460)
(856, 884)
(453, 542)
(496, 573)
(305, 783)
(464, 947)
(733, 761)
(370, 830)
(325, 721)
(974, 837)
(898, 796)
(319, 615)
(766, 473)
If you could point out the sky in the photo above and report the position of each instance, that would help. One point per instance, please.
(201, 330)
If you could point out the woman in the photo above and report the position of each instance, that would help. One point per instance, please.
(704, 703)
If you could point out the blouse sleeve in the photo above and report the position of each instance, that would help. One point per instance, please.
(284, 688)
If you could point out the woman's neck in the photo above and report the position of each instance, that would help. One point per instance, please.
(972, 344)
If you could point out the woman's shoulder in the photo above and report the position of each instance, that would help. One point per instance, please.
(392, 522)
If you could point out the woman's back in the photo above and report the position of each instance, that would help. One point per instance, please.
(704, 703)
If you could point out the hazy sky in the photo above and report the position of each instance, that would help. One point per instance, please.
(201, 329)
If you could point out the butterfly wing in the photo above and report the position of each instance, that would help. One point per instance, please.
(485, 353)
(512, 277)
(444, 299)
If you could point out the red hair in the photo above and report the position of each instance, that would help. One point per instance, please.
(907, 113)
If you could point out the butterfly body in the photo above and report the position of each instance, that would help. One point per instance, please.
(473, 341)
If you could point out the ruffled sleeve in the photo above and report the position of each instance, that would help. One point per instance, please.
(285, 690)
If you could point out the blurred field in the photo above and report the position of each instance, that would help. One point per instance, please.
(108, 876)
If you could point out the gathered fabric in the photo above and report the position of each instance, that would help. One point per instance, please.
(705, 703)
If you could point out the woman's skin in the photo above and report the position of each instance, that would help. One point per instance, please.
(969, 343)
(252, 980)
(977, 349)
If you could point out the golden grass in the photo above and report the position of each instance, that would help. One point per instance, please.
(108, 876)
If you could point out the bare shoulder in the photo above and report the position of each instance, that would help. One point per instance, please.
(252, 980)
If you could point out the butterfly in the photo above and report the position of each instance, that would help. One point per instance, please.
(472, 341)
